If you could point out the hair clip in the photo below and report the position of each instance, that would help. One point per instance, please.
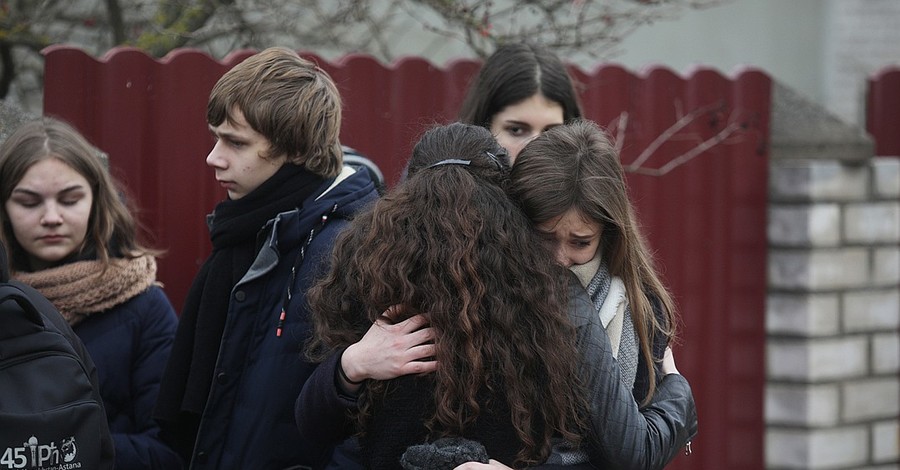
(450, 161)
(496, 159)
(456, 161)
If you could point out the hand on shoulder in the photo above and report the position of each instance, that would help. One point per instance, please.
(389, 350)
(668, 362)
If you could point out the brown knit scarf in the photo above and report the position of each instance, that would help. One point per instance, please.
(83, 288)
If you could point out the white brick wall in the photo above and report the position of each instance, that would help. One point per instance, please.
(805, 225)
(818, 270)
(886, 441)
(825, 181)
(803, 405)
(872, 310)
(861, 38)
(886, 176)
(818, 449)
(886, 353)
(872, 223)
(865, 400)
(818, 360)
(833, 316)
(886, 263)
(803, 314)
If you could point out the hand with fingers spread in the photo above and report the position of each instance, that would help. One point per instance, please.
(389, 350)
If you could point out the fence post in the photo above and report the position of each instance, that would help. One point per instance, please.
(833, 307)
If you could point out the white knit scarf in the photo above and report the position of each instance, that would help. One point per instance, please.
(610, 299)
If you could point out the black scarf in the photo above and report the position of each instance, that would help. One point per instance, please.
(234, 227)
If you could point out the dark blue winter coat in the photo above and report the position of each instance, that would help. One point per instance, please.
(248, 422)
(130, 345)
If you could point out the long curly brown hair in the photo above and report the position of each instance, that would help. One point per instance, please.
(448, 242)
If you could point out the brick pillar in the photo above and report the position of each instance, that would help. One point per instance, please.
(833, 307)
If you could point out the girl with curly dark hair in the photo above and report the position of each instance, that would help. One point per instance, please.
(448, 243)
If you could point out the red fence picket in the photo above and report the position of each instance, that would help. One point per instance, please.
(883, 111)
(706, 217)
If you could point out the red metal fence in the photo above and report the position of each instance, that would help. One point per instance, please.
(883, 111)
(706, 218)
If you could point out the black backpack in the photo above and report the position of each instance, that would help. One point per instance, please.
(51, 413)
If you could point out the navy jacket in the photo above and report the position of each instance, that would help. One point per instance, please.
(248, 420)
(130, 345)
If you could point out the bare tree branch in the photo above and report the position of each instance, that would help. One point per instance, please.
(690, 154)
(667, 134)
(620, 126)
(178, 22)
(331, 27)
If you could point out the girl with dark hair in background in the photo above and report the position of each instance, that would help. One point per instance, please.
(519, 92)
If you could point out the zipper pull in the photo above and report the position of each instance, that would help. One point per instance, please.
(280, 328)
